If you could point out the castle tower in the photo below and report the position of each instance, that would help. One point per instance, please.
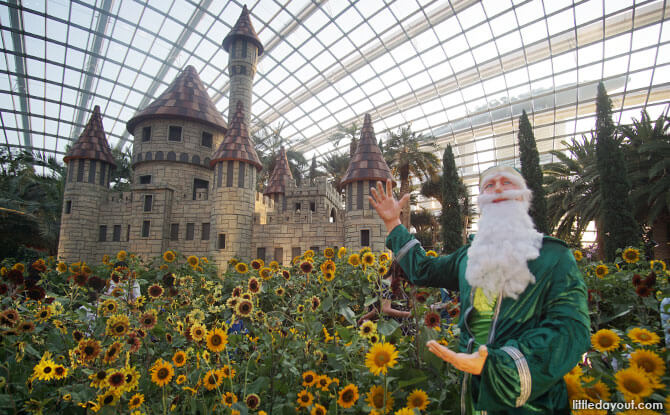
(362, 225)
(89, 165)
(244, 48)
(175, 137)
(235, 166)
(280, 178)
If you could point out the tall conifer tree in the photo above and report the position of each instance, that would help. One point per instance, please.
(619, 226)
(451, 218)
(531, 171)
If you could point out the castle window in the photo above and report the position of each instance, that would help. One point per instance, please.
(260, 253)
(199, 186)
(70, 172)
(174, 133)
(148, 202)
(279, 254)
(206, 140)
(359, 196)
(146, 225)
(190, 231)
(116, 236)
(219, 174)
(80, 170)
(102, 236)
(145, 179)
(314, 248)
(205, 232)
(91, 171)
(241, 70)
(146, 134)
(103, 172)
(295, 251)
(232, 49)
(171, 156)
(229, 174)
(159, 155)
(350, 197)
(332, 215)
(297, 206)
(240, 176)
(221, 243)
(243, 52)
(365, 237)
(68, 207)
(128, 233)
(174, 231)
(312, 206)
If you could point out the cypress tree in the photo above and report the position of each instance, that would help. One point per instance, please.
(451, 220)
(531, 171)
(312, 169)
(619, 228)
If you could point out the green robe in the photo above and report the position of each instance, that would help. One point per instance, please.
(534, 340)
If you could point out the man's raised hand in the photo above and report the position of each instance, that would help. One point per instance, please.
(387, 207)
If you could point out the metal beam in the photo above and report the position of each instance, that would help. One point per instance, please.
(16, 22)
(98, 37)
(167, 63)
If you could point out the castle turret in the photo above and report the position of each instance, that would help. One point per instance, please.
(175, 137)
(244, 48)
(279, 180)
(235, 165)
(89, 166)
(363, 227)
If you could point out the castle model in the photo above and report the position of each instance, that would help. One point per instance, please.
(194, 182)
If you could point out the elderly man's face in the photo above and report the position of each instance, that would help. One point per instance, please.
(499, 184)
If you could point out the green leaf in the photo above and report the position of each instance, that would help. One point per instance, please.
(404, 383)
(370, 301)
(347, 313)
(345, 333)
(387, 327)
(326, 304)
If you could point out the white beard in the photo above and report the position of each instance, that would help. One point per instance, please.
(505, 242)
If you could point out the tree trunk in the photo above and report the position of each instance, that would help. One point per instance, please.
(659, 233)
(600, 242)
(404, 189)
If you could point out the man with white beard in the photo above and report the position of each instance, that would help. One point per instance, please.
(523, 300)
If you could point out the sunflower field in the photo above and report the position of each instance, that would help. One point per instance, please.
(172, 335)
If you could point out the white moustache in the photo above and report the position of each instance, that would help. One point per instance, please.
(511, 195)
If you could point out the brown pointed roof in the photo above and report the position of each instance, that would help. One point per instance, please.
(280, 175)
(186, 98)
(236, 145)
(367, 162)
(243, 28)
(92, 143)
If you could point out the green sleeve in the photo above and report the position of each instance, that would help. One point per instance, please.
(527, 367)
(441, 271)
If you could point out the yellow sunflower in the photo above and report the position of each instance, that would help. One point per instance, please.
(161, 372)
(375, 399)
(109, 307)
(217, 340)
(309, 378)
(274, 266)
(329, 253)
(305, 398)
(61, 267)
(228, 398)
(318, 409)
(252, 401)
(169, 256)
(308, 254)
(109, 398)
(597, 391)
(578, 255)
(136, 401)
(117, 325)
(631, 255)
(244, 308)
(602, 270)
(431, 253)
(633, 383)
(227, 372)
(381, 357)
(241, 267)
(418, 399)
(348, 396)
(193, 261)
(354, 260)
(648, 361)
(328, 276)
(180, 379)
(341, 252)
(265, 273)
(212, 379)
(574, 387)
(179, 358)
(368, 259)
(657, 265)
(112, 353)
(121, 255)
(88, 350)
(605, 340)
(384, 257)
(643, 336)
(367, 329)
(132, 378)
(45, 369)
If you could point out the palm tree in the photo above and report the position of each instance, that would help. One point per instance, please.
(648, 161)
(404, 155)
(572, 189)
(335, 165)
(267, 141)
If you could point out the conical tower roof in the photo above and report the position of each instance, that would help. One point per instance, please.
(185, 98)
(92, 143)
(243, 28)
(367, 162)
(236, 145)
(280, 175)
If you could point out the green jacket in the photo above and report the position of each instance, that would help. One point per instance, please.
(534, 340)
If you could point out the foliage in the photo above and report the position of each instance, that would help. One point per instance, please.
(294, 329)
(267, 142)
(30, 203)
(451, 217)
(618, 223)
(531, 171)
(122, 175)
(405, 155)
(335, 166)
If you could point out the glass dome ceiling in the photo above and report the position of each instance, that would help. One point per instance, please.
(461, 71)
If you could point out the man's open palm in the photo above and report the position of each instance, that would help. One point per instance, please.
(387, 207)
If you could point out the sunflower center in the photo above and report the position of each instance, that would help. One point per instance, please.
(108, 399)
(381, 359)
(633, 386)
(88, 350)
(304, 398)
(378, 400)
(216, 340)
(120, 329)
(47, 369)
(647, 365)
(101, 375)
(605, 342)
(309, 378)
(348, 395)
(644, 336)
(179, 358)
(162, 373)
(116, 379)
